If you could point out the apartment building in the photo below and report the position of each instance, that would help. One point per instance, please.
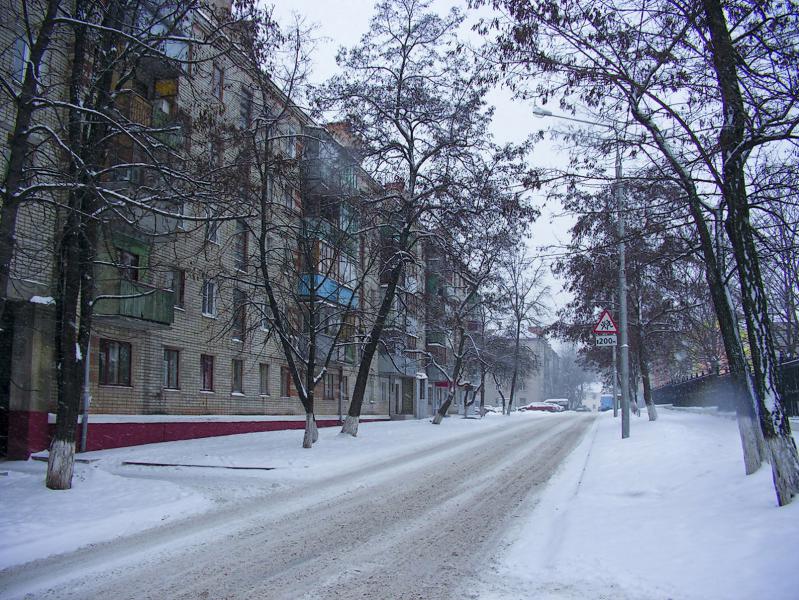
(450, 313)
(183, 341)
(536, 386)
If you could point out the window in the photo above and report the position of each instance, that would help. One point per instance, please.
(263, 372)
(217, 82)
(287, 196)
(245, 109)
(330, 381)
(181, 212)
(128, 264)
(216, 153)
(209, 298)
(176, 282)
(266, 315)
(211, 227)
(20, 54)
(239, 322)
(171, 369)
(240, 245)
(237, 376)
(288, 141)
(346, 269)
(114, 363)
(207, 371)
(327, 259)
(285, 382)
(345, 387)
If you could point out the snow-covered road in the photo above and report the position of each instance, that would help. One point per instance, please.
(416, 525)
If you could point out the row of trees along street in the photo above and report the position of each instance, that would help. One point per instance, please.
(702, 97)
(422, 170)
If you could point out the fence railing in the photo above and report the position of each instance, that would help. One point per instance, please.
(715, 389)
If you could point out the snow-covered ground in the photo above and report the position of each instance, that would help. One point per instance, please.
(667, 513)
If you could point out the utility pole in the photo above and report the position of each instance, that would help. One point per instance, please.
(615, 395)
(624, 356)
(625, 348)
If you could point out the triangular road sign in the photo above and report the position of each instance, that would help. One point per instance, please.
(606, 324)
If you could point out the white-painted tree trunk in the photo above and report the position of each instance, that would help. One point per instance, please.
(437, 418)
(60, 465)
(784, 467)
(350, 426)
(752, 443)
(652, 412)
(311, 431)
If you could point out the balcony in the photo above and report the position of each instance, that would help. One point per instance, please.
(319, 228)
(135, 107)
(326, 289)
(137, 305)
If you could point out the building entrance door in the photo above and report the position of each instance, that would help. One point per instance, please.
(407, 396)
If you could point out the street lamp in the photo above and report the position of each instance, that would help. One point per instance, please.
(624, 349)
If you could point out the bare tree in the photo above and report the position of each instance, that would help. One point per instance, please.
(522, 293)
(80, 121)
(418, 108)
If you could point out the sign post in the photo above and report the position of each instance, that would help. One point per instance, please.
(605, 333)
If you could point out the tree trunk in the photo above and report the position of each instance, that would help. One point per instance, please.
(643, 367)
(773, 420)
(482, 393)
(311, 431)
(68, 359)
(350, 425)
(515, 365)
(442, 410)
(356, 404)
(752, 443)
(456, 373)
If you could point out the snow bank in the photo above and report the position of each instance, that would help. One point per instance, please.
(667, 513)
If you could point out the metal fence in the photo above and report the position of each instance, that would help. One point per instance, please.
(716, 390)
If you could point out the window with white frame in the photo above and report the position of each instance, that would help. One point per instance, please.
(171, 369)
(209, 298)
(115, 363)
(239, 321)
(207, 372)
(237, 376)
(20, 54)
(263, 372)
(240, 245)
(266, 315)
(212, 226)
(217, 81)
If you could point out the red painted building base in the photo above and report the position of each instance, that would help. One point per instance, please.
(103, 436)
(28, 432)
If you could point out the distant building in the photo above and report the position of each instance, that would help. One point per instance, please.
(538, 385)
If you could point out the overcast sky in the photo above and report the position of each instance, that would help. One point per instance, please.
(343, 22)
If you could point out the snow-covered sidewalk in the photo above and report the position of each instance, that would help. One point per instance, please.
(667, 513)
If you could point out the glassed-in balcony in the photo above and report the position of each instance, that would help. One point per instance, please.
(326, 289)
(134, 304)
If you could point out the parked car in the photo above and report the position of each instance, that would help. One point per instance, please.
(541, 406)
(582, 408)
(606, 402)
(562, 402)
